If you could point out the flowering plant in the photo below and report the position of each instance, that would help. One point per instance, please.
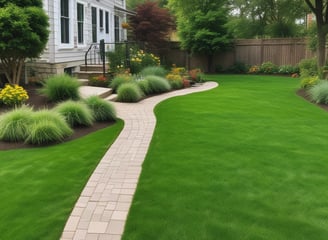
(196, 75)
(141, 59)
(99, 81)
(13, 95)
(254, 69)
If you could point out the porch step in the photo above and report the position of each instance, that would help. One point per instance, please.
(87, 91)
(93, 68)
(111, 97)
(83, 82)
(88, 75)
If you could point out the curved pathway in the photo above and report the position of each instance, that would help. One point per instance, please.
(101, 211)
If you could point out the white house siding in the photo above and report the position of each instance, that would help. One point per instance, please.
(59, 56)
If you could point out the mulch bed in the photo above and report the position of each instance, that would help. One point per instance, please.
(303, 93)
(40, 102)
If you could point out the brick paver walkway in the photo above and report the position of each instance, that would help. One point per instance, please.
(101, 211)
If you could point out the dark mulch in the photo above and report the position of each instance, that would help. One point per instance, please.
(303, 93)
(40, 102)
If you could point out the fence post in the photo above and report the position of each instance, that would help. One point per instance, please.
(102, 55)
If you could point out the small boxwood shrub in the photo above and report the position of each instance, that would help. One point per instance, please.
(15, 124)
(102, 110)
(158, 84)
(76, 113)
(153, 70)
(118, 80)
(319, 92)
(60, 88)
(129, 92)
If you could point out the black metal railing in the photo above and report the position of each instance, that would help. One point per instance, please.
(97, 54)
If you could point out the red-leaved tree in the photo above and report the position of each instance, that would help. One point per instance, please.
(151, 25)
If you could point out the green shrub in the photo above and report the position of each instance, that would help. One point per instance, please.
(268, 68)
(238, 67)
(288, 69)
(129, 92)
(140, 59)
(44, 132)
(144, 86)
(158, 84)
(102, 110)
(319, 92)
(176, 84)
(309, 81)
(118, 80)
(308, 67)
(15, 124)
(75, 113)
(117, 58)
(48, 126)
(60, 88)
(153, 70)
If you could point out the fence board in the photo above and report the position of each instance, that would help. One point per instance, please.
(280, 51)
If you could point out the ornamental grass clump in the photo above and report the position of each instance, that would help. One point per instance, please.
(319, 92)
(48, 126)
(15, 124)
(153, 70)
(60, 88)
(158, 84)
(13, 95)
(144, 86)
(76, 113)
(119, 80)
(129, 92)
(102, 110)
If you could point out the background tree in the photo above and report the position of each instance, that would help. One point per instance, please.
(151, 24)
(132, 4)
(273, 18)
(23, 34)
(320, 10)
(202, 26)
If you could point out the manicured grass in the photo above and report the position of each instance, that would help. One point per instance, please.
(39, 186)
(247, 160)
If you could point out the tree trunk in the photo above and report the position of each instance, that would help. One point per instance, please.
(209, 63)
(13, 69)
(321, 51)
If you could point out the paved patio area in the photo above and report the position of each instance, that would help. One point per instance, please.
(101, 211)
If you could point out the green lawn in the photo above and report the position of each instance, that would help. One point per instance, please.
(247, 160)
(39, 186)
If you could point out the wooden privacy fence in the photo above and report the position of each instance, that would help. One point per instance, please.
(280, 51)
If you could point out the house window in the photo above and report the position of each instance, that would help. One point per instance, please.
(101, 19)
(94, 24)
(64, 20)
(117, 28)
(80, 23)
(107, 22)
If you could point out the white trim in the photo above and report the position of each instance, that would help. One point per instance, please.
(71, 11)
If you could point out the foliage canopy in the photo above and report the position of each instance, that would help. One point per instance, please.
(23, 34)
